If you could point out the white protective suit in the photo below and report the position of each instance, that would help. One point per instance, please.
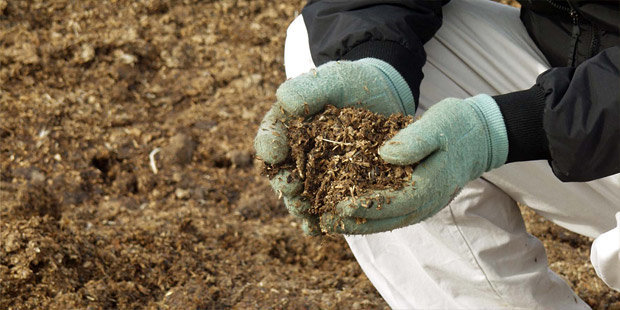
(476, 253)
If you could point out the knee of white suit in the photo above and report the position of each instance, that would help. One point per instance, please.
(605, 256)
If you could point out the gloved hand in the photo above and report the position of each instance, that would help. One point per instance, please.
(367, 83)
(454, 142)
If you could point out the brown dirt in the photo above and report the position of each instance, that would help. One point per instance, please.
(334, 153)
(88, 89)
(569, 256)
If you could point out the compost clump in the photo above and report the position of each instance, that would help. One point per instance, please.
(335, 154)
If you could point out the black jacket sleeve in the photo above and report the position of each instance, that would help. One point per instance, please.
(570, 117)
(393, 31)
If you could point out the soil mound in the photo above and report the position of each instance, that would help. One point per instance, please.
(93, 217)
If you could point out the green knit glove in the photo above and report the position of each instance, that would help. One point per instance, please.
(367, 83)
(454, 142)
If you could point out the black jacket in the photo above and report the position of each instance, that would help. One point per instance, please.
(570, 116)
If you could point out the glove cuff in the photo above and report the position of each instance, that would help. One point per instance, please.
(497, 138)
(401, 88)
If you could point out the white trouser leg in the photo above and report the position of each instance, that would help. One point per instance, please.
(476, 253)
(473, 254)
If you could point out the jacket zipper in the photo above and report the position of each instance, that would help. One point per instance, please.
(594, 44)
(576, 31)
(559, 6)
(574, 37)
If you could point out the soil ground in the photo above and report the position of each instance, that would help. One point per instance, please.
(89, 89)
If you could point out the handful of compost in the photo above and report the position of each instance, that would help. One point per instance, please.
(333, 159)
(454, 142)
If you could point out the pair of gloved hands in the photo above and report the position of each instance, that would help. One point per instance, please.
(455, 141)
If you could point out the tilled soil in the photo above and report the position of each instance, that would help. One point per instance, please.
(127, 177)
